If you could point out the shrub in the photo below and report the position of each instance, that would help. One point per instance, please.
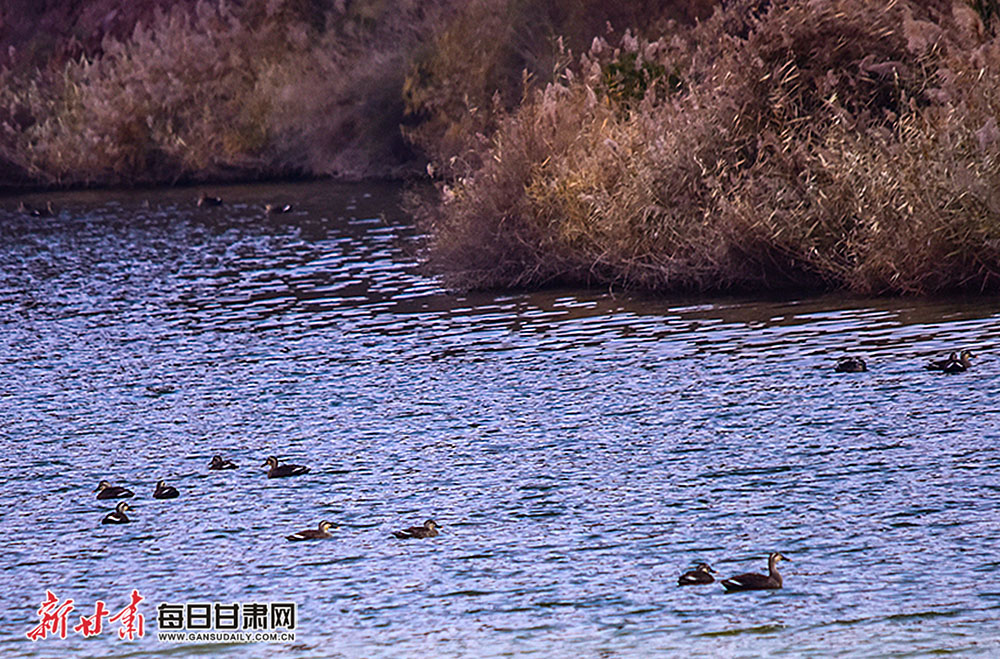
(491, 53)
(210, 91)
(830, 144)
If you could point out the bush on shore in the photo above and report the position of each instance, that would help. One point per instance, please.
(833, 143)
(827, 143)
(488, 54)
(209, 91)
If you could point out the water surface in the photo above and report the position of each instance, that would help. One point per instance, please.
(581, 449)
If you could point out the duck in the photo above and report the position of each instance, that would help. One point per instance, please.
(218, 463)
(164, 491)
(428, 530)
(277, 209)
(961, 364)
(107, 491)
(702, 574)
(283, 471)
(941, 364)
(956, 363)
(752, 581)
(851, 365)
(321, 533)
(206, 200)
(118, 516)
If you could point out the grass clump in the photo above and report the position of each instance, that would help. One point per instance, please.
(835, 144)
(208, 91)
(489, 54)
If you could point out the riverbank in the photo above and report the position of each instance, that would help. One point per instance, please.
(213, 92)
(125, 93)
(825, 145)
(835, 145)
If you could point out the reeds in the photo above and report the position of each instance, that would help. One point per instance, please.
(212, 90)
(832, 144)
(821, 143)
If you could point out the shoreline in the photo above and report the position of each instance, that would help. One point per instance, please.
(709, 147)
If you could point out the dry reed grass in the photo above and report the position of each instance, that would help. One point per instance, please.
(211, 90)
(831, 143)
(490, 53)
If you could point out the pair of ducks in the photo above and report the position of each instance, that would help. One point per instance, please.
(956, 363)
(277, 470)
(106, 490)
(428, 530)
(271, 209)
(749, 581)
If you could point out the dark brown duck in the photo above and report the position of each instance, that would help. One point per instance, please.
(118, 516)
(750, 581)
(851, 365)
(320, 533)
(428, 530)
(218, 463)
(283, 471)
(106, 490)
(164, 491)
(702, 574)
(956, 363)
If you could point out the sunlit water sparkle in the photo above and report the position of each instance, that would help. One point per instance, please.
(581, 449)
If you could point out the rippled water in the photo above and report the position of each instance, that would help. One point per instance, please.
(580, 449)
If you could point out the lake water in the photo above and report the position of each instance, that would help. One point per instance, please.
(580, 449)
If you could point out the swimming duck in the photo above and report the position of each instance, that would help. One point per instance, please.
(961, 364)
(700, 575)
(752, 581)
(164, 491)
(321, 533)
(118, 516)
(206, 200)
(282, 471)
(851, 365)
(218, 463)
(428, 530)
(954, 364)
(941, 364)
(277, 209)
(106, 491)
